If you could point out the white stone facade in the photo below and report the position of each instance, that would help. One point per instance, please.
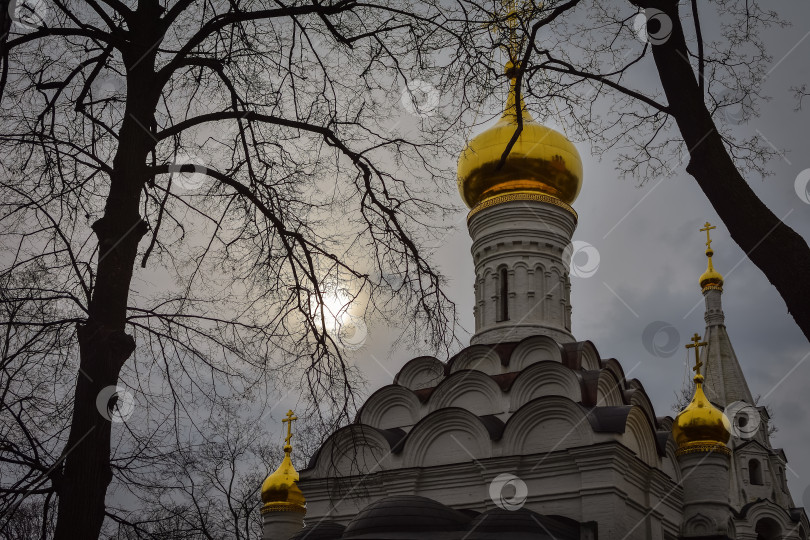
(281, 525)
(583, 439)
(526, 399)
(521, 280)
(706, 509)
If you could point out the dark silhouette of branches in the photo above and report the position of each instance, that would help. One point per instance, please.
(199, 197)
(196, 198)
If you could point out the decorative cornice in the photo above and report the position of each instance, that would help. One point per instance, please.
(520, 196)
(703, 447)
(713, 288)
(282, 507)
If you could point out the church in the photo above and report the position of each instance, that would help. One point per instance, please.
(529, 433)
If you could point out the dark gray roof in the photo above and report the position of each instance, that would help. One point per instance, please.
(321, 530)
(401, 513)
(523, 521)
(410, 517)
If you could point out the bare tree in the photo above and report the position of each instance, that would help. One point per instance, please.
(27, 523)
(209, 489)
(645, 79)
(255, 148)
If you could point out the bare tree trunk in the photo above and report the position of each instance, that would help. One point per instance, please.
(5, 26)
(776, 249)
(103, 342)
(104, 347)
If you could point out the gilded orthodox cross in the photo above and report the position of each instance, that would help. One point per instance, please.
(707, 228)
(511, 12)
(697, 344)
(289, 421)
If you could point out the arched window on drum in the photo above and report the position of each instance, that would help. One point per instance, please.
(503, 294)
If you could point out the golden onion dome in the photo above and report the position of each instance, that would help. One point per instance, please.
(701, 427)
(710, 277)
(542, 160)
(279, 490)
(280, 493)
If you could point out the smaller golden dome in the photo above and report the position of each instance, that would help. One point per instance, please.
(710, 276)
(542, 160)
(280, 487)
(701, 426)
(280, 493)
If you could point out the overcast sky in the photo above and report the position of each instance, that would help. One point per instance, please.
(651, 255)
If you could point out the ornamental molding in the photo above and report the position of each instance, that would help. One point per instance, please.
(713, 288)
(282, 507)
(509, 197)
(703, 447)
